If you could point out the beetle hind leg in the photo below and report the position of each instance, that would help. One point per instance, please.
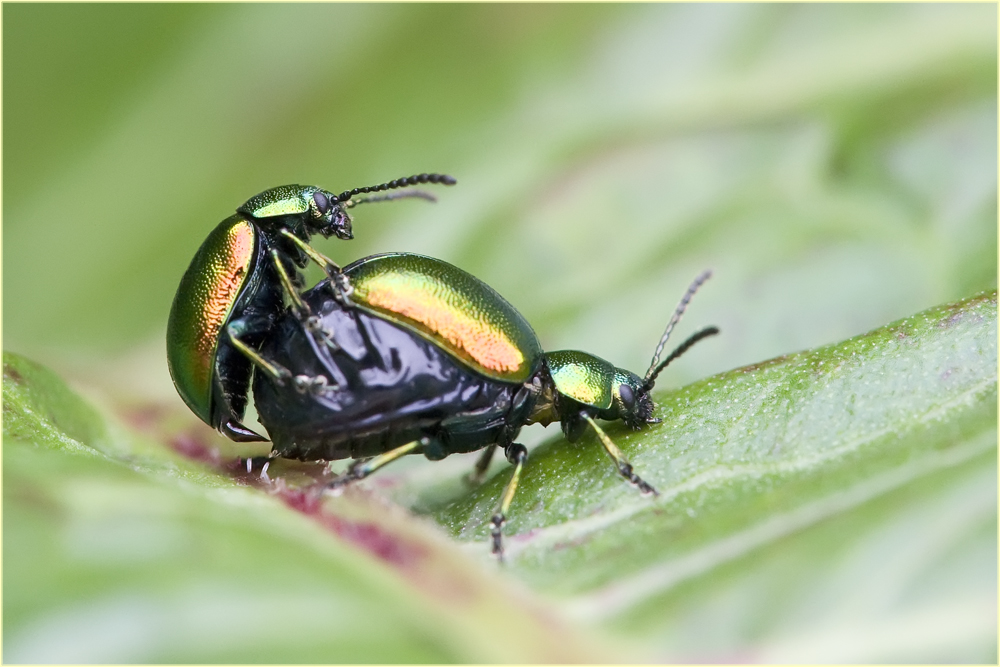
(624, 467)
(264, 462)
(516, 454)
(364, 467)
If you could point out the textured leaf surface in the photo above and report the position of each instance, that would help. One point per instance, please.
(133, 553)
(869, 465)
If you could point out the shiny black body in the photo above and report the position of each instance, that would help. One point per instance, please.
(252, 318)
(387, 387)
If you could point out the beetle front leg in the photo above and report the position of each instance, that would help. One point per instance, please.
(339, 283)
(624, 467)
(301, 309)
(516, 454)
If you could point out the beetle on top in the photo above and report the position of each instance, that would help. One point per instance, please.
(394, 354)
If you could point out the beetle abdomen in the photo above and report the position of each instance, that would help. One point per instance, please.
(388, 386)
(205, 298)
(451, 308)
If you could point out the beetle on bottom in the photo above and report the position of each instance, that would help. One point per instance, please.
(429, 360)
(401, 354)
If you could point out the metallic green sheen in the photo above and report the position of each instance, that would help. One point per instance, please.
(282, 200)
(452, 309)
(210, 288)
(583, 377)
(628, 378)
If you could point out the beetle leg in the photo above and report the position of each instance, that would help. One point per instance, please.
(624, 467)
(265, 461)
(516, 454)
(304, 384)
(475, 478)
(364, 467)
(314, 385)
(342, 288)
(277, 372)
(301, 309)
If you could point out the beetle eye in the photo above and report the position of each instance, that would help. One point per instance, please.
(628, 397)
(322, 202)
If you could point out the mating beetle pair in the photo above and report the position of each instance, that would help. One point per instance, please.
(394, 354)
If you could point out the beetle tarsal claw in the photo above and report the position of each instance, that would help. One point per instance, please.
(496, 532)
(340, 285)
(312, 385)
(628, 473)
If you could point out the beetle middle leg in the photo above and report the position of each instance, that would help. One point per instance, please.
(516, 454)
(624, 467)
(278, 373)
(304, 384)
(475, 478)
(303, 313)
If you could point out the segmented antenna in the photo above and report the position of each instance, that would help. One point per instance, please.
(678, 313)
(391, 196)
(681, 349)
(443, 179)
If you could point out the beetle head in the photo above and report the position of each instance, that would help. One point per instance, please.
(328, 216)
(631, 401)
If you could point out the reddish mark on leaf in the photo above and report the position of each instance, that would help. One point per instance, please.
(301, 500)
(12, 373)
(144, 418)
(572, 544)
(764, 364)
(368, 536)
(375, 540)
(195, 448)
(384, 482)
(952, 321)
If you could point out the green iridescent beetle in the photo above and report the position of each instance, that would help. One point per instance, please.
(232, 292)
(394, 354)
(427, 359)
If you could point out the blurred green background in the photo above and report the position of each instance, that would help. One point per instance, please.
(835, 165)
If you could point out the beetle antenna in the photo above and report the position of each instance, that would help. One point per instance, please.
(443, 179)
(678, 313)
(399, 194)
(681, 349)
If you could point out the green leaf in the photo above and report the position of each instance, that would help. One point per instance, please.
(139, 555)
(869, 465)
